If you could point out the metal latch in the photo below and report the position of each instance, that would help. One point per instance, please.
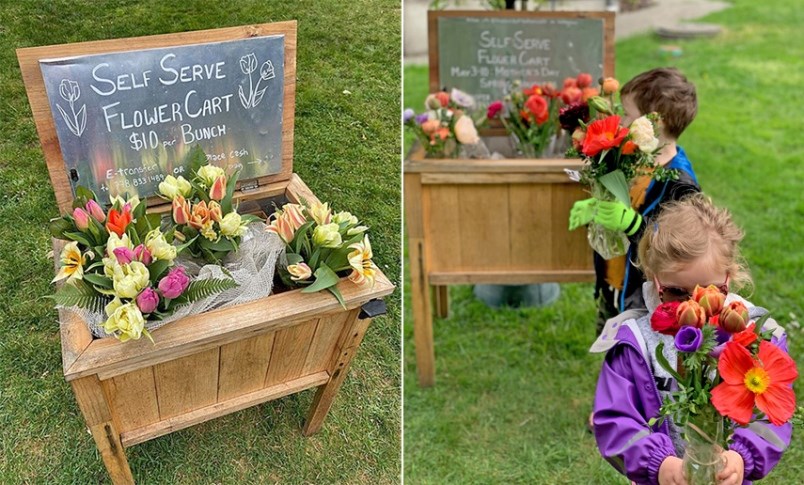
(249, 185)
(373, 308)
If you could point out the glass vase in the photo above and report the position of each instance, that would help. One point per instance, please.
(607, 243)
(703, 458)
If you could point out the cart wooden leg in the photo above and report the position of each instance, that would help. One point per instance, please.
(92, 401)
(325, 395)
(442, 301)
(422, 316)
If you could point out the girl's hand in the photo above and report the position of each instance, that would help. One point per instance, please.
(732, 473)
(671, 472)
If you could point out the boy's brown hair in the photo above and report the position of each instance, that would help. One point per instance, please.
(665, 91)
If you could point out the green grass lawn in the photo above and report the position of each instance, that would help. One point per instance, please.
(513, 387)
(347, 149)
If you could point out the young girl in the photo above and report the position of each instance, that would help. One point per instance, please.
(690, 243)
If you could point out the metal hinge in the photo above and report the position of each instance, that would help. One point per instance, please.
(249, 185)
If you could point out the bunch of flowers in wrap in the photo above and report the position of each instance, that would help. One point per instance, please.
(728, 367)
(531, 113)
(119, 262)
(445, 125)
(321, 245)
(203, 215)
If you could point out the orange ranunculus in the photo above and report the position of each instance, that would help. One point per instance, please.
(603, 135)
(549, 90)
(584, 80)
(570, 82)
(629, 148)
(610, 85)
(430, 126)
(536, 106)
(748, 381)
(587, 93)
(199, 215)
(117, 221)
(571, 94)
(442, 133)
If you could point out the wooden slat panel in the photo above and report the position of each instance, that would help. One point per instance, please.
(441, 219)
(166, 426)
(132, 398)
(187, 383)
(243, 366)
(327, 331)
(494, 178)
(512, 277)
(572, 248)
(109, 357)
(416, 163)
(531, 209)
(484, 226)
(290, 352)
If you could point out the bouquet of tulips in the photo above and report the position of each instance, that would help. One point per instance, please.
(121, 263)
(445, 125)
(203, 214)
(320, 245)
(729, 366)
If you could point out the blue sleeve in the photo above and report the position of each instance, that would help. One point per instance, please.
(623, 436)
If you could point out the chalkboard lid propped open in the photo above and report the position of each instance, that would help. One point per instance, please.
(37, 95)
(468, 23)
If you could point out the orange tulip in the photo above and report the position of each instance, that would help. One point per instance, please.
(118, 221)
(710, 298)
(199, 215)
(181, 210)
(218, 190)
(215, 211)
(691, 313)
(734, 317)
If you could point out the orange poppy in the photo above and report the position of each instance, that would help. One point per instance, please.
(764, 382)
(117, 222)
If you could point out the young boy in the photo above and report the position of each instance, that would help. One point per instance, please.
(666, 91)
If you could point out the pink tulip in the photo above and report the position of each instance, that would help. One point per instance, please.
(174, 284)
(81, 218)
(124, 255)
(96, 211)
(147, 300)
(143, 255)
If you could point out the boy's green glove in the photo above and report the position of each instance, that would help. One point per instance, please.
(582, 213)
(617, 216)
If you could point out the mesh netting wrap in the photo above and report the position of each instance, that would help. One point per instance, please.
(252, 267)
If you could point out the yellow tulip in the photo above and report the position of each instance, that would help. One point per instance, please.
(126, 323)
(321, 213)
(327, 236)
(364, 271)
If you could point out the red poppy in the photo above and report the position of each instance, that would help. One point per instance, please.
(117, 222)
(664, 319)
(603, 135)
(748, 381)
(746, 337)
(629, 148)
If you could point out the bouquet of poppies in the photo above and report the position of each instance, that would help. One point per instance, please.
(119, 267)
(445, 125)
(320, 245)
(203, 215)
(727, 368)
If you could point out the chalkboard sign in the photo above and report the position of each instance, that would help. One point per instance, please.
(125, 120)
(482, 52)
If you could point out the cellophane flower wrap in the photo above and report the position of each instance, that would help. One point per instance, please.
(322, 246)
(219, 240)
(531, 114)
(614, 155)
(446, 128)
(730, 373)
(119, 271)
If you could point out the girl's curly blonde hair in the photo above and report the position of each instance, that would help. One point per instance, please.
(687, 230)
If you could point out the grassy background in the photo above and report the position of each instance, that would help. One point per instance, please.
(514, 386)
(347, 149)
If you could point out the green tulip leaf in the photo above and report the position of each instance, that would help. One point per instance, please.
(294, 258)
(80, 237)
(157, 268)
(616, 184)
(324, 278)
(98, 280)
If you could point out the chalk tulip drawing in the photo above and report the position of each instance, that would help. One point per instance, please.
(248, 64)
(76, 123)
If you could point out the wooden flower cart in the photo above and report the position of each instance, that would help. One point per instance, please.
(488, 221)
(219, 362)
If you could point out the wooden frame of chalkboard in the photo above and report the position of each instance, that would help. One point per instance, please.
(32, 76)
(433, 17)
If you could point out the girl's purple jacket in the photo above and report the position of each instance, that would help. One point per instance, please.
(627, 397)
